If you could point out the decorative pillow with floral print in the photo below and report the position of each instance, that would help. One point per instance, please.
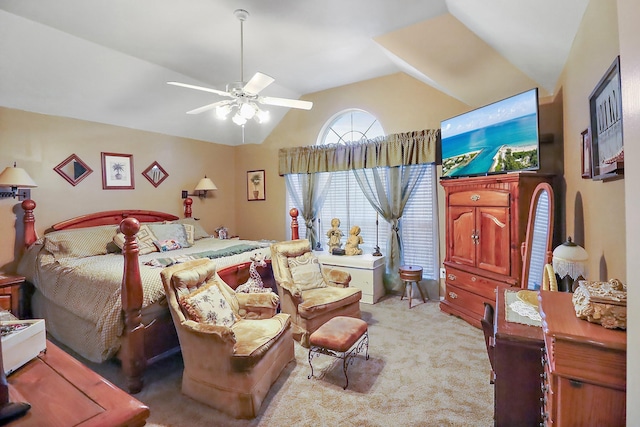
(207, 305)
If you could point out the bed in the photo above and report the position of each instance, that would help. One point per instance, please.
(97, 283)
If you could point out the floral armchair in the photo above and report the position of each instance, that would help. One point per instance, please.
(309, 293)
(234, 346)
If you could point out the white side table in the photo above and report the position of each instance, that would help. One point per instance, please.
(366, 272)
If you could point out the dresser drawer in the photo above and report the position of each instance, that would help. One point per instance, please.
(10, 294)
(466, 300)
(473, 283)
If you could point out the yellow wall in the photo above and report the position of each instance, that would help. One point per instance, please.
(628, 17)
(38, 143)
(594, 209)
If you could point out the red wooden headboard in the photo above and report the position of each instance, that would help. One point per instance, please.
(112, 218)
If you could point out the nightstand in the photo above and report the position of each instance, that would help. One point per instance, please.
(10, 285)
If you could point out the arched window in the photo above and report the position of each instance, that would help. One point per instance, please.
(346, 201)
(350, 126)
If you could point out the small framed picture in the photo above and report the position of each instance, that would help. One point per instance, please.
(255, 185)
(586, 154)
(155, 174)
(117, 171)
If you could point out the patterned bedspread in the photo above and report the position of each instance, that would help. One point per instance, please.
(89, 287)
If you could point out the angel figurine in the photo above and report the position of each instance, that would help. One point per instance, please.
(354, 239)
(334, 235)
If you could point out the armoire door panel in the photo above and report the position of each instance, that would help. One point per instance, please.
(461, 229)
(493, 252)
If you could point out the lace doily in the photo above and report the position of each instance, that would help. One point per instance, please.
(526, 310)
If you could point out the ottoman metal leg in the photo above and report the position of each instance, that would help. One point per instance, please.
(347, 356)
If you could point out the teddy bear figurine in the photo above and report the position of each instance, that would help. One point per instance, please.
(354, 239)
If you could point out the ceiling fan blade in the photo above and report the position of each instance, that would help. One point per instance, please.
(207, 107)
(283, 102)
(205, 89)
(258, 82)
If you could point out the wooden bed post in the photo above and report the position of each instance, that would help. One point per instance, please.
(29, 221)
(133, 358)
(293, 213)
(187, 207)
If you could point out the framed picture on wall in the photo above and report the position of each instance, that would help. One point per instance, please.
(117, 171)
(155, 174)
(605, 110)
(255, 185)
(586, 153)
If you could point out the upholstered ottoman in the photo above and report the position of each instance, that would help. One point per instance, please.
(341, 337)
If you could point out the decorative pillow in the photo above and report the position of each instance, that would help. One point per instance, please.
(190, 232)
(167, 245)
(207, 305)
(306, 272)
(199, 231)
(145, 240)
(170, 232)
(79, 242)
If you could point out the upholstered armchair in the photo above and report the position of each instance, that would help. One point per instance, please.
(234, 346)
(309, 293)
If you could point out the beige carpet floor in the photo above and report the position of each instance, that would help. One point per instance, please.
(426, 368)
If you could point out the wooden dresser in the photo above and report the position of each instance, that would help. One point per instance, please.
(585, 367)
(486, 221)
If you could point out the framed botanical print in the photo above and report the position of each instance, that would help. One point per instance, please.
(255, 185)
(117, 171)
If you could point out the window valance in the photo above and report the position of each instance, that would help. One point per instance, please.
(410, 148)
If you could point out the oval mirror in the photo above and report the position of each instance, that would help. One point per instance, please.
(73, 169)
(536, 248)
(155, 174)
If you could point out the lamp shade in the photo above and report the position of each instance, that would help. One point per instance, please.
(570, 260)
(205, 184)
(16, 177)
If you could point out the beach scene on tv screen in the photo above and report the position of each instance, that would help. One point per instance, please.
(500, 137)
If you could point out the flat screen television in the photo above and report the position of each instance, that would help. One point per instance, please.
(497, 138)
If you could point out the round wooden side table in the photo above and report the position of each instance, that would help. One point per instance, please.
(411, 274)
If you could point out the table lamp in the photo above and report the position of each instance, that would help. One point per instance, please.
(570, 264)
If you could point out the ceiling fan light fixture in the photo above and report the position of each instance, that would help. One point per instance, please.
(262, 116)
(243, 105)
(238, 119)
(222, 111)
(248, 110)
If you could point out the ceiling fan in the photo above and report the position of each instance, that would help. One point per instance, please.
(245, 97)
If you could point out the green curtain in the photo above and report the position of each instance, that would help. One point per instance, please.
(410, 148)
(388, 190)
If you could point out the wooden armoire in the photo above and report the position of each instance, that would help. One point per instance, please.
(486, 223)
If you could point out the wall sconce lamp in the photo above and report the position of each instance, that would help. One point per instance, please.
(570, 261)
(201, 189)
(15, 178)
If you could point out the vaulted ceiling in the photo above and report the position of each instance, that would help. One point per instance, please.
(109, 61)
